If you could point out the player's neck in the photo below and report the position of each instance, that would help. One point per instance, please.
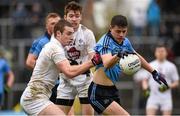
(161, 60)
(76, 28)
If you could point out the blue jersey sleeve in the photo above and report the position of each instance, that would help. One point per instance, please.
(103, 46)
(35, 48)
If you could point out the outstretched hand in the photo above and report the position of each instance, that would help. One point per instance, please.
(158, 77)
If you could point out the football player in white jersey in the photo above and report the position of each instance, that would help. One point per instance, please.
(160, 96)
(79, 51)
(52, 61)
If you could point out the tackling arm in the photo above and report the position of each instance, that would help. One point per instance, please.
(73, 70)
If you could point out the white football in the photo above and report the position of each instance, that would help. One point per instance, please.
(130, 64)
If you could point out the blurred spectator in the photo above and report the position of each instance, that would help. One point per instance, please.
(176, 45)
(36, 16)
(20, 17)
(153, 18)
(138, 15)
(5, 71)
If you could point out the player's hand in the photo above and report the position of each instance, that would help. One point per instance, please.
(163, 88)
(123, 53)
(7, 89)
(96, 59)
(159, 78)
(146, 93)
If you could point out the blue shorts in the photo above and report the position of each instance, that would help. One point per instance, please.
(100, 96)
(1, 99)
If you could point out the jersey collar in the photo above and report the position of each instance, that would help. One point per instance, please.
(47, 35)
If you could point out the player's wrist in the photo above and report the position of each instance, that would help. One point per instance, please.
(154, 72)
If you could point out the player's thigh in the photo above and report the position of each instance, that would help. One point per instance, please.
(152, 105)
(87, 109)
(167, 113)
(51, 109)
(115, 109)
(65, 109)
(151, 111)
(166, 107)
(65, 90)
(83, 98)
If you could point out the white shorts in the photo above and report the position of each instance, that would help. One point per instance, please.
(69, 89)
(33, 106)
(163, 104)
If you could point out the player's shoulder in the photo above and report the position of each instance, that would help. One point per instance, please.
(86, 29)
(41, 39)
(3, 61)
(153, 62)
(126, 40)
(170, 64)
(104, 38)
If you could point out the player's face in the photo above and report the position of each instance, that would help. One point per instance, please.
(67, 35)
(160, 53)
(51, 23)
(118, 33)
(74, 17)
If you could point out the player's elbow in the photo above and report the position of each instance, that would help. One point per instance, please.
(29, 64)
(107, 66)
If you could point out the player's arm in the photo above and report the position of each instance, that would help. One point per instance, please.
(173, 85)
(109, 60)
(145, 84)
(156, 76)
(31, 61)
(74, 70)
(175, 78)
(145, 64)
(10, 80)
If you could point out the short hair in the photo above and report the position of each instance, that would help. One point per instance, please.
(72, 6)
(60, 26)
(51, 15)
(160, 45)
(119, 20)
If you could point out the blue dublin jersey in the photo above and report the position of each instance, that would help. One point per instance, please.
(39, 43)
(4, 68)
(107, 44)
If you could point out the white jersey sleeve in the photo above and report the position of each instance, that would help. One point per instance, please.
(58, 55)
(91, 42)
(174, 73)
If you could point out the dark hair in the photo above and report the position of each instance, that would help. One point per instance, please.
(51, 15)
(72, 6)
(60, 26)
(119, 21)
(160, 44)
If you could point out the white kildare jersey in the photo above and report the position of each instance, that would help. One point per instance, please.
(77, 52)
(36, 95)
(45, 72)
(169, 72)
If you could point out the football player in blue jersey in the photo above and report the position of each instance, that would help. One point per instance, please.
(50, 21)
(103, 95)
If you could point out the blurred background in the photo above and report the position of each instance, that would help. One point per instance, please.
(150, 22)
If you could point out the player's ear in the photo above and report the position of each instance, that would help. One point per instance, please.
(65, 17)
(110, 27)
(58, 33)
